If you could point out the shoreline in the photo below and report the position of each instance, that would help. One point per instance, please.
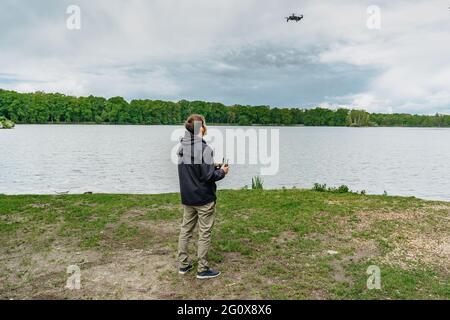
(56, 194)
(224, 125)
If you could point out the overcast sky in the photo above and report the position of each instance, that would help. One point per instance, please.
(233, 51)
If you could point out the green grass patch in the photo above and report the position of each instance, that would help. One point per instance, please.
(277, 243)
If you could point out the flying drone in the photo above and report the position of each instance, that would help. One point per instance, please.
(294, 17)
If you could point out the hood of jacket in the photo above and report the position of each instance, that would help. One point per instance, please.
(191, 148)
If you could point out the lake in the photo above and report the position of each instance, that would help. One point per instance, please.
(47, 159)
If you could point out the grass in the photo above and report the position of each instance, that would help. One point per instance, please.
(257, 183)
(269, 244)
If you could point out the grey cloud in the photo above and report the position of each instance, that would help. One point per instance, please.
(232, 51)
(267, 56)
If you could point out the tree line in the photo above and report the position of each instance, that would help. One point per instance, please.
(40, 107)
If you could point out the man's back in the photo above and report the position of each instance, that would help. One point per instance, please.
(196, 171)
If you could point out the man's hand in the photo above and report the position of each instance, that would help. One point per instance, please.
(225, 168)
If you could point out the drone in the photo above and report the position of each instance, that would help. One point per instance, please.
(294, 17)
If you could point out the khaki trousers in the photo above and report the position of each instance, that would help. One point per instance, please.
(204, 215)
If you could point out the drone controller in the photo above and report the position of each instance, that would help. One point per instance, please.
(218, 166)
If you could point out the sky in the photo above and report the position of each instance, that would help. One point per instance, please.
(234, 51)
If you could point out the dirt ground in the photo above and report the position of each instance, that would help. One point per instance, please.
(135, 257)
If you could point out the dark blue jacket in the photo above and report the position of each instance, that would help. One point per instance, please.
(196, 171)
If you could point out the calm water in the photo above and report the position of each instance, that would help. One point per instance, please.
(44, 159)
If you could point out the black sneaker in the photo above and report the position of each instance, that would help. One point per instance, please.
(185, 269)
(208, 274)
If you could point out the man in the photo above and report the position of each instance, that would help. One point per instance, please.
(198, 175)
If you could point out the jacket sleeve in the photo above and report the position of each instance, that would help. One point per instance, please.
(210, 173)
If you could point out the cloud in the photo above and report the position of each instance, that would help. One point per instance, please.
(234, 52)
(410, 53)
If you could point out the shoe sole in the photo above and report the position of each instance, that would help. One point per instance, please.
(184, 272)
(208, 277)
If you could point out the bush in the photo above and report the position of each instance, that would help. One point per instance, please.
(342, 189)
(323, 188)
(320, 187)
(5, 123)
(257, 183)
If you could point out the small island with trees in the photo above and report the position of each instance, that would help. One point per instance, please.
(5, 123)
(44, 108)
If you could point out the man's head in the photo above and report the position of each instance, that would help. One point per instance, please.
(196, 124)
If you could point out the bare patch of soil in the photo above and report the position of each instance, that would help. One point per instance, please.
(431, 249)
(124, 274)
(285, 237)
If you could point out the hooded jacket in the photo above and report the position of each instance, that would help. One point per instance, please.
(196, 171)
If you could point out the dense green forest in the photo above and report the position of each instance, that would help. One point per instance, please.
(40, 107)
